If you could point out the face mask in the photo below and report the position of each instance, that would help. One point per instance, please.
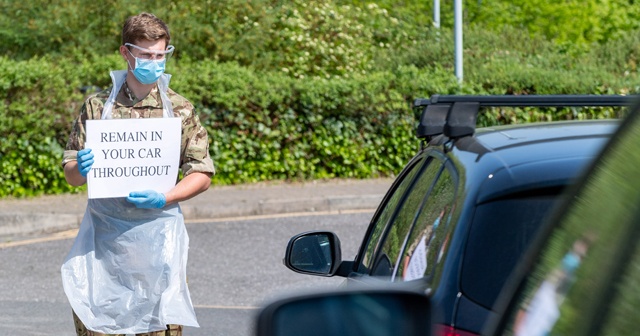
(148, 71)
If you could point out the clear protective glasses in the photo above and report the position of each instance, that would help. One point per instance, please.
(154, 55)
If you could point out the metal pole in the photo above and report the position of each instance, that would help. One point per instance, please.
(457, 25)
(436, 14)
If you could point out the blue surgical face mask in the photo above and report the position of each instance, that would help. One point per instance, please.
(148, 71)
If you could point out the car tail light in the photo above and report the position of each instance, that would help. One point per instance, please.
(445, 330)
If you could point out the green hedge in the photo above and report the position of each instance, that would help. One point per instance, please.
(262, 126)
(274, 127)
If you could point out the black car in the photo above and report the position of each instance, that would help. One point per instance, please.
(459, 216)
(580, 276)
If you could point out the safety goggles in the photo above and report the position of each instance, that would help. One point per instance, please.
(148, 54)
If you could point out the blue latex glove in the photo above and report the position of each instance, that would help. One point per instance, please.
(147, 199)
(85, 161)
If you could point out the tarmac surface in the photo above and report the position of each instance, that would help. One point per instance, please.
(49, 214)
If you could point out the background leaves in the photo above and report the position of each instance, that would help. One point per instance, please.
(303, 89)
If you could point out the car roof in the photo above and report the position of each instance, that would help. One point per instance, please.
(508, 159)
(500, 137)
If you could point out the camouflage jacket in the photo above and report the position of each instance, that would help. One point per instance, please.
(194, 147)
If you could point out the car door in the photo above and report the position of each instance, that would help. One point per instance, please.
(409, 224)
(582, 276)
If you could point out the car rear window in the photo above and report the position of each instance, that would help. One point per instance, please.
(500, 232)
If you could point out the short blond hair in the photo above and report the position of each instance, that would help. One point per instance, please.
(145, 26)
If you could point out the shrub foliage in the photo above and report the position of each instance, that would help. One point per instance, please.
(294, 89)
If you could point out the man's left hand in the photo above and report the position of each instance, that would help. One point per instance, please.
(147, 199)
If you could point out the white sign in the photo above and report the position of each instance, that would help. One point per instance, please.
(133, 155)
(418, 262)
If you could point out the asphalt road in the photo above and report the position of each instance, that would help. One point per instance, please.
(235, 266)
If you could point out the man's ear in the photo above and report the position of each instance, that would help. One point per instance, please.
(123, 52)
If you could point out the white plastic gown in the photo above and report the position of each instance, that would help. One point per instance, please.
(126, 271)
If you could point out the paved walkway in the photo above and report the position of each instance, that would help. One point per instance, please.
(64, 212)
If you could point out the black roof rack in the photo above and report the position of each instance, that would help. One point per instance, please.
(455, 115)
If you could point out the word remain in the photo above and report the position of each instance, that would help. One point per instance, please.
(129, 153)
(138, 171)
(130, 136)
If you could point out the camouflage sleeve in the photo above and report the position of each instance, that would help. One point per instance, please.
(76, 138)
(195, 155)
(91, 109)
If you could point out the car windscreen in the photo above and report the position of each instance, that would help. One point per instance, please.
(500, 232)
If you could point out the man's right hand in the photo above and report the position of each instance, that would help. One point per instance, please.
(85, 161)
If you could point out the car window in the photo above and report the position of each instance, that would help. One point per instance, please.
(424, 246)
(381, 221)
(388, 255)
(500, 233)
(585, 279)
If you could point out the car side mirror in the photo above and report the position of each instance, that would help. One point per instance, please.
(315, 252)
(369, 311)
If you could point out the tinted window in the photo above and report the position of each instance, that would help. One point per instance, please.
(380, 223)
(585, 263)
(388, 255)
(423, 249)
(500, 232)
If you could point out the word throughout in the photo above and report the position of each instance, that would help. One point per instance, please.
(130, 154)
(136, 171)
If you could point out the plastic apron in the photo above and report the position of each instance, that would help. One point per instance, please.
(126, 271)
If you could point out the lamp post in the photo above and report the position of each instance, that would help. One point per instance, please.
(457, 27)
(436, 14)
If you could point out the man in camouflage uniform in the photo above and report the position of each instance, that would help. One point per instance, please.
(145, 47)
